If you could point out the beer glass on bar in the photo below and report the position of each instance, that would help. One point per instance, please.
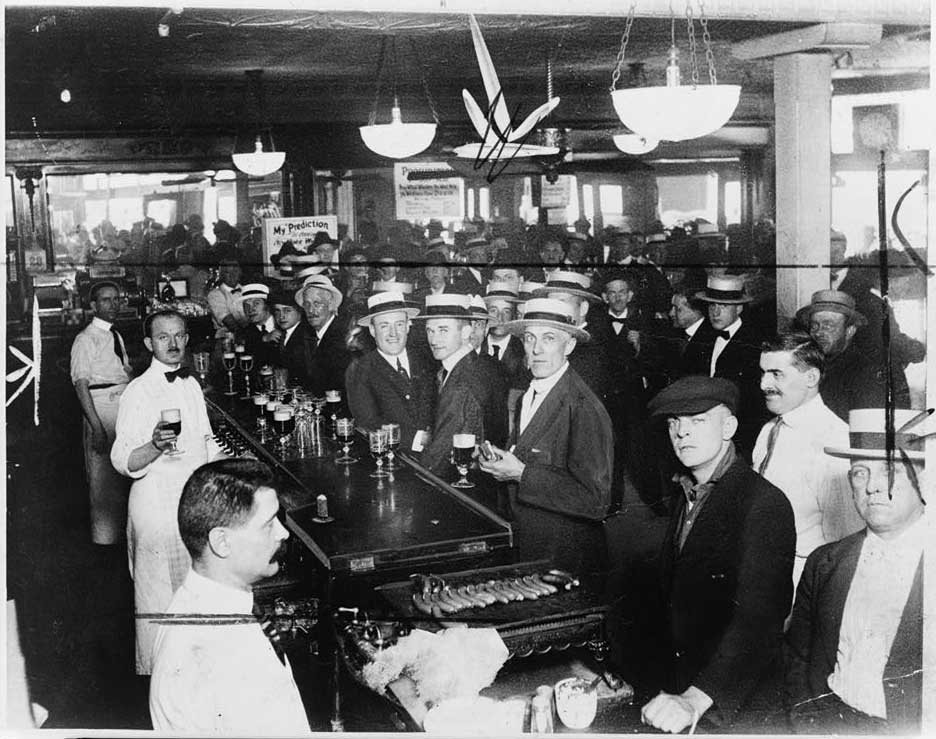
(393, 443)
(230, 361)
(345, 429)
(283, 423)
(201, 360)
(246, 364)
(332, 409)
(259, 402)
(171, 420)
(377, 441)
(463, 446)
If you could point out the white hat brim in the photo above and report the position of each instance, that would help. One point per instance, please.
(520, 325)
(851, 452)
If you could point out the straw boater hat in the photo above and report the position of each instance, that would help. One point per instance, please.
(447, 305)
(548, 312)
(831, 300)
(501, 291)
(252, 290)
(867, 437)
(386, 302)
(381, 286)
(571, 283)
(437, 242)
(478, 308)
(725, 289)
(528, 288)
(323, 283)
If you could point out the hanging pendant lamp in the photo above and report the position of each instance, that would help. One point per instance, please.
(263, 160)
(675, 112)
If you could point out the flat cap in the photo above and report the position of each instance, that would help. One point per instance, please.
(694, 394)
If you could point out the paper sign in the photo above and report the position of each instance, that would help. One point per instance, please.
(420, 200)
(555, 195)
(300, 230)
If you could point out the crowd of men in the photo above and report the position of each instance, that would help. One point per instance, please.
(596, 387)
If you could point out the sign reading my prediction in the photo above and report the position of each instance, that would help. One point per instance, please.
(420, 200)
(300, 230)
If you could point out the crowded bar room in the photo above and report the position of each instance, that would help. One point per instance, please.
(468, 368)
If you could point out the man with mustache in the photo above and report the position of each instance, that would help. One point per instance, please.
(158, 559)
(789, 451)
(218, 670)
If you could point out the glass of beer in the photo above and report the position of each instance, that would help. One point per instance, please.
(284, 423)
(345, 430)
(463, 446)
(259, 402)
(230, 362)
(202, 360)
(246, 364)
(393, 443)
(171, 420)
(269, 409)
(576, 702)
(280, 380)
(332, 409)
(377, 441)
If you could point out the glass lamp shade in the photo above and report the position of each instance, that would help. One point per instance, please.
(634, 144)
(676, 113)
(259, 163)
(398, 140)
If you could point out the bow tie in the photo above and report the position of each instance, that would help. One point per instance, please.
(182, 372)
(723, 335)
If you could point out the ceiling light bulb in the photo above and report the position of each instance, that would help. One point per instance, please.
(65, 95)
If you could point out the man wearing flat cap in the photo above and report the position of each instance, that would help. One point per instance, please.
(727, 564)
(855, 644)
(853, 378)
(326, 355)
(735, 353)
(390, 384)
(559, 463)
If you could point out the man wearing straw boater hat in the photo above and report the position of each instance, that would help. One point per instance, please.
(390, 384)
(735, 353)
(326, 355)
(559, 463)
(501, 300)
(855, 642)
(853, 378)
(261, 335)
(465, 401)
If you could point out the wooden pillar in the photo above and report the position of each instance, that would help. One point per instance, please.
(802, 100)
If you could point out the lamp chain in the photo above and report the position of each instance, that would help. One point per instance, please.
(707, 41)
(616, 75)
(425, 83)
(693, 62)
(372, 118)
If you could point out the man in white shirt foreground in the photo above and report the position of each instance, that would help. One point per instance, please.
(789, 451)
(855, 642)
(216, 671)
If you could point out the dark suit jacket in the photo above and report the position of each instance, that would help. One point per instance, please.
(590, 361)
(466, 284)
(291, 355)
(813, 637)
(697, 353)
(327, 362)
(855, 379)
(379, 394)
(464, 402)
(263, 352)
(495, 384)
(565, 491)
(513, 360)
(728, 591)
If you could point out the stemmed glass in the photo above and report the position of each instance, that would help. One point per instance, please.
(284, 422)
(377, 440)
(171, 420)
(259, 401)
(201, 360)
(246, 364)
(230, 361)
(463, 446)
(332, 409)
(345, 429)
(393, 443)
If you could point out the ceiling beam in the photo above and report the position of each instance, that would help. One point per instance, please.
(901, 12)
(822, 36)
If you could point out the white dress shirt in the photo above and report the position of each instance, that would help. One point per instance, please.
(93, 358)
(535, 395)
(223, 302)
(622, 317)
(815, 483)
(220, 678)
(691, 329)
(320, 332)
(721, 343)
(454, 358)
(879, 591)
(500, 342)
(402, 358)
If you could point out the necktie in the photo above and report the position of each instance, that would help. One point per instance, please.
(495, 351)
(312, 339)
(771, 443)
(440, 377)
(723, 335)
(270, 632)
(402, 370)
(118, 349)
(182, 372)
(235, 291)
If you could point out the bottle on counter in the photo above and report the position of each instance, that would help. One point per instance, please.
(541, 713)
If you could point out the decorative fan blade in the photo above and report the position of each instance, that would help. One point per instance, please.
(531, 120)
(478, 119)
(492, 84)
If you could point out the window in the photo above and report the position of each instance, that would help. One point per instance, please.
(684, 198)
(611, 199)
